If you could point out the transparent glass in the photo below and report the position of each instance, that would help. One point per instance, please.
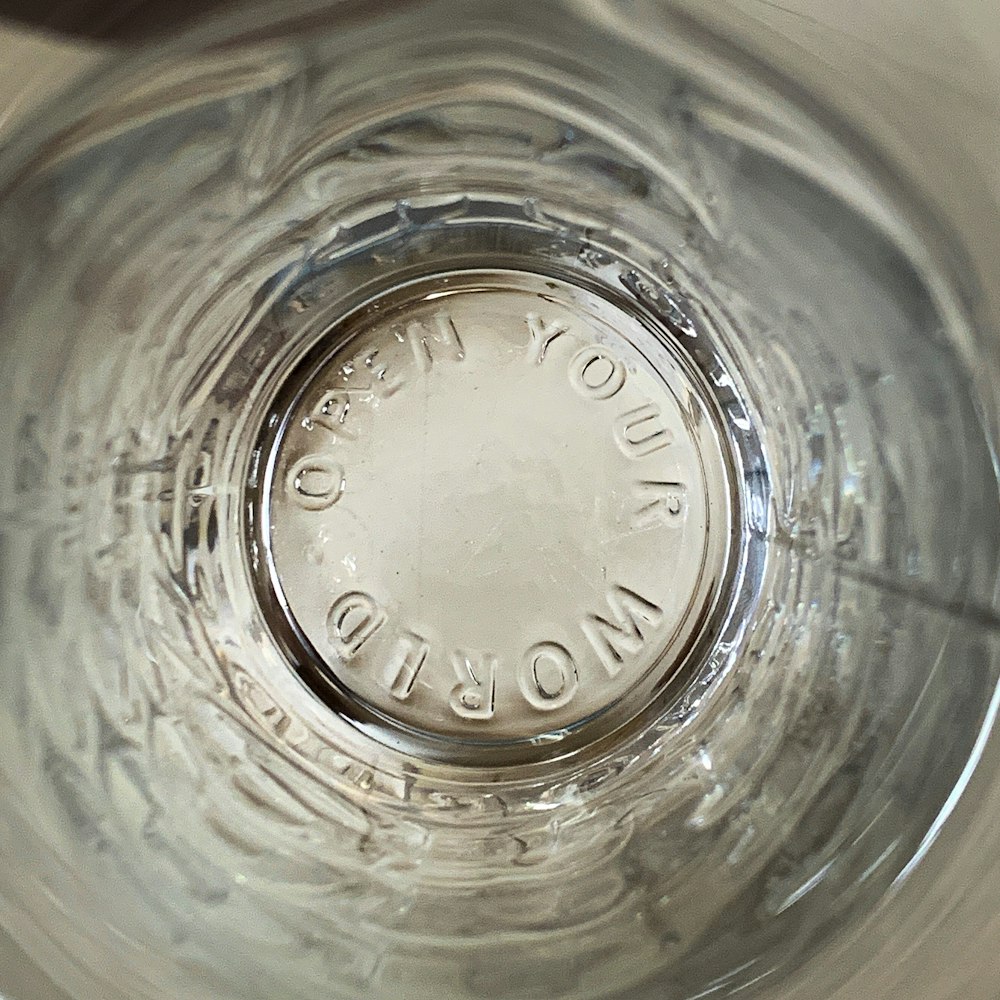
(283, 380)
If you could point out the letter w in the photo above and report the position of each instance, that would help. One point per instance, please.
(614, 640)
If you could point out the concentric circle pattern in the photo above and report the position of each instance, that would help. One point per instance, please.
(279, 312)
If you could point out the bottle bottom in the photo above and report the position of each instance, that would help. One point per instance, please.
(493, 511)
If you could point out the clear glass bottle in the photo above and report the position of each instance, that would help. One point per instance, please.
(497, 501)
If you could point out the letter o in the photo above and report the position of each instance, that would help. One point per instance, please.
(315, 482)
(547, 676)
(596, 373)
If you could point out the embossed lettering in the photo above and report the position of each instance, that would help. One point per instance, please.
(331, 412)
(315, 482)
(381, 384)
(542, 334)
(596, 373)
(654, 503)
(334, 406)
(474, 696)
(443, 342)
(408, 656)
(614, 640)
(354, 618)
(641, 431)
(547, 676)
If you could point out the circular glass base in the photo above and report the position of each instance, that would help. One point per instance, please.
(494, 509)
